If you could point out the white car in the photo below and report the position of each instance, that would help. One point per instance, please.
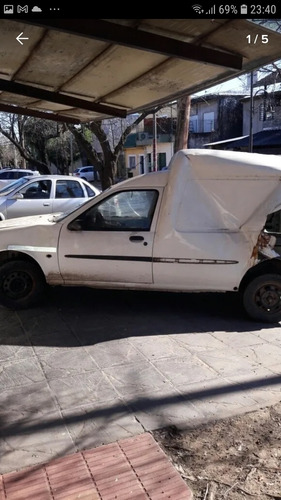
(44, 194)
(87, 173)
(8, 175)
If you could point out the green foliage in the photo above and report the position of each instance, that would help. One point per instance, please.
(87, 133)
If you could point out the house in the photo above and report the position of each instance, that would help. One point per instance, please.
(144, 150)
(215, 117)
(212, 116)
(261, 120)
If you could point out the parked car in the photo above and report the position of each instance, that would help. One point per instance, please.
(8, 175)
(196, 227)
(44, 194)
(87, 173)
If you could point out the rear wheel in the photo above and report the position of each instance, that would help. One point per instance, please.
(262, 298)
(21, 284)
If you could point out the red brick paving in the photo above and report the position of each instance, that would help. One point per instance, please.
(130, 469)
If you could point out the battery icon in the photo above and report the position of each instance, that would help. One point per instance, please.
(244, 9)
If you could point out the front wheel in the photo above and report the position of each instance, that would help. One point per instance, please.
(22, 284)
(262, 298)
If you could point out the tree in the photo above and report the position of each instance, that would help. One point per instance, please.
(62, 150)
(30, 137)
(111, 136)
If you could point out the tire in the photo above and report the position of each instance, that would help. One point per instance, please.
(262, 298)
(21, 284)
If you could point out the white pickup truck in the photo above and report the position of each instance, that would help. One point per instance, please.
(198, 226)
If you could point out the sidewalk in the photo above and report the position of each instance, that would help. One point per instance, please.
(130, 469)
(88, 370)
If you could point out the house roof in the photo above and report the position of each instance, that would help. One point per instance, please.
(271, 79)
(215, 96)
(270, 137)
(79, 70)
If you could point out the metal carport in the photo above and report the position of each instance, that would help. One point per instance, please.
(79, 70)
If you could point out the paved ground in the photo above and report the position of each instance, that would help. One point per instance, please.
(130, 469)
(90, 368)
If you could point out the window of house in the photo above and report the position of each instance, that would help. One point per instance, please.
(269, 113)
(132, 161)
(261, 112)
(209, 122)
(162, 162)
(266, 112)
(141, 164)
(193, 123)
(149, 161)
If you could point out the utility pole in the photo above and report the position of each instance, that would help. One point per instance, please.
(251, 112)
(154, 162)
(183, 113)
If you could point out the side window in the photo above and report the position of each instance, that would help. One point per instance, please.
(69, 189)
(90, 191)
(6, 175)
(123, 211)
(22, 174)
(37, 190)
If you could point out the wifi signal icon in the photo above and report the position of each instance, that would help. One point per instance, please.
(198, 9)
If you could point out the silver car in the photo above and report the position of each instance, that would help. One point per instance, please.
(44, 194)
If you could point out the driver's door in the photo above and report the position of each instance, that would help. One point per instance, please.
(33, 198)
(112, 241)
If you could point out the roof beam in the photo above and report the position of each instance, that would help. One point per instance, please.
(143, 40)
(19, 110)
(46, 95)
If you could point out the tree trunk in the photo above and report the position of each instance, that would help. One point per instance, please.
(109, 169)
(108, 173)
(183, 112)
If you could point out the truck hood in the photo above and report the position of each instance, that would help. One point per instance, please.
(31, 220)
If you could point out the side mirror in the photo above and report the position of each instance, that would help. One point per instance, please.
(74, 225)
(16, 196)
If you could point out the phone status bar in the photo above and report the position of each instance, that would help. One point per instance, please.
(196, 11)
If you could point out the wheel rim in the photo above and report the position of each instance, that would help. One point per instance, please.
(268, 298)
(17, 285)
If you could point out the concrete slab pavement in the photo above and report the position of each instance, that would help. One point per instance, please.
(90, 368)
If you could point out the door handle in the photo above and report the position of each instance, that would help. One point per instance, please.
(136, 238)
(46, 204)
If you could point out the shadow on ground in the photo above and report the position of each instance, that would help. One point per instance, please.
(84, 316)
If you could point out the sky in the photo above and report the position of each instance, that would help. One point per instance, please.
(235, 84)
(240, 83)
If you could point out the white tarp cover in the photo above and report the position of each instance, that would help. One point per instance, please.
(211, 190)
